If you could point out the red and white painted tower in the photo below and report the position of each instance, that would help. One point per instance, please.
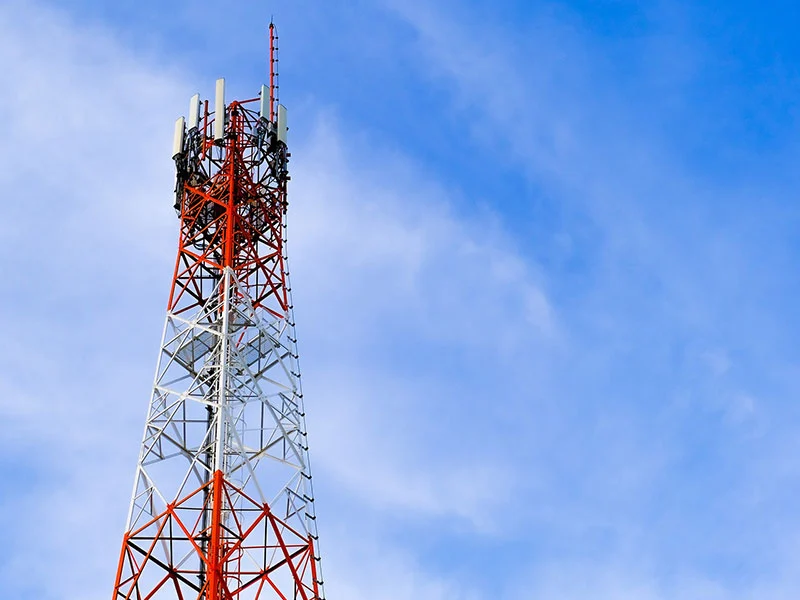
(222, 505)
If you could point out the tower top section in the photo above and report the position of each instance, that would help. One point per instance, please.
(231, 171)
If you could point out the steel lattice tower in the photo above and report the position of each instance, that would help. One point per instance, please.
(222, 503)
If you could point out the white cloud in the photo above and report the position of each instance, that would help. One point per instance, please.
(365, 567)
(387, 227)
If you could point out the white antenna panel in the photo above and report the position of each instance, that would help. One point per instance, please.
(282, 127)
(219, 111)
(194, 111)
(177, 140)
(265, 102)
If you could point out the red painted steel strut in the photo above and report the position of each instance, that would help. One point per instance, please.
(215, 559)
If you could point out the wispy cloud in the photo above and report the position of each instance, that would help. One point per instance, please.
(677, 364)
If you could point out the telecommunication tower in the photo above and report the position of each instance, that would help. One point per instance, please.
(222, 504)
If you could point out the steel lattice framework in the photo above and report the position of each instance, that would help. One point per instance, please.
(222, 503)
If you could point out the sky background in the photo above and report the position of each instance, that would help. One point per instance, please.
(544, 262)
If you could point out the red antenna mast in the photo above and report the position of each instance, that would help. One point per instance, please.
(273, 70)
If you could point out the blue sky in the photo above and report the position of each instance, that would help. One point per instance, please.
(543, 257)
